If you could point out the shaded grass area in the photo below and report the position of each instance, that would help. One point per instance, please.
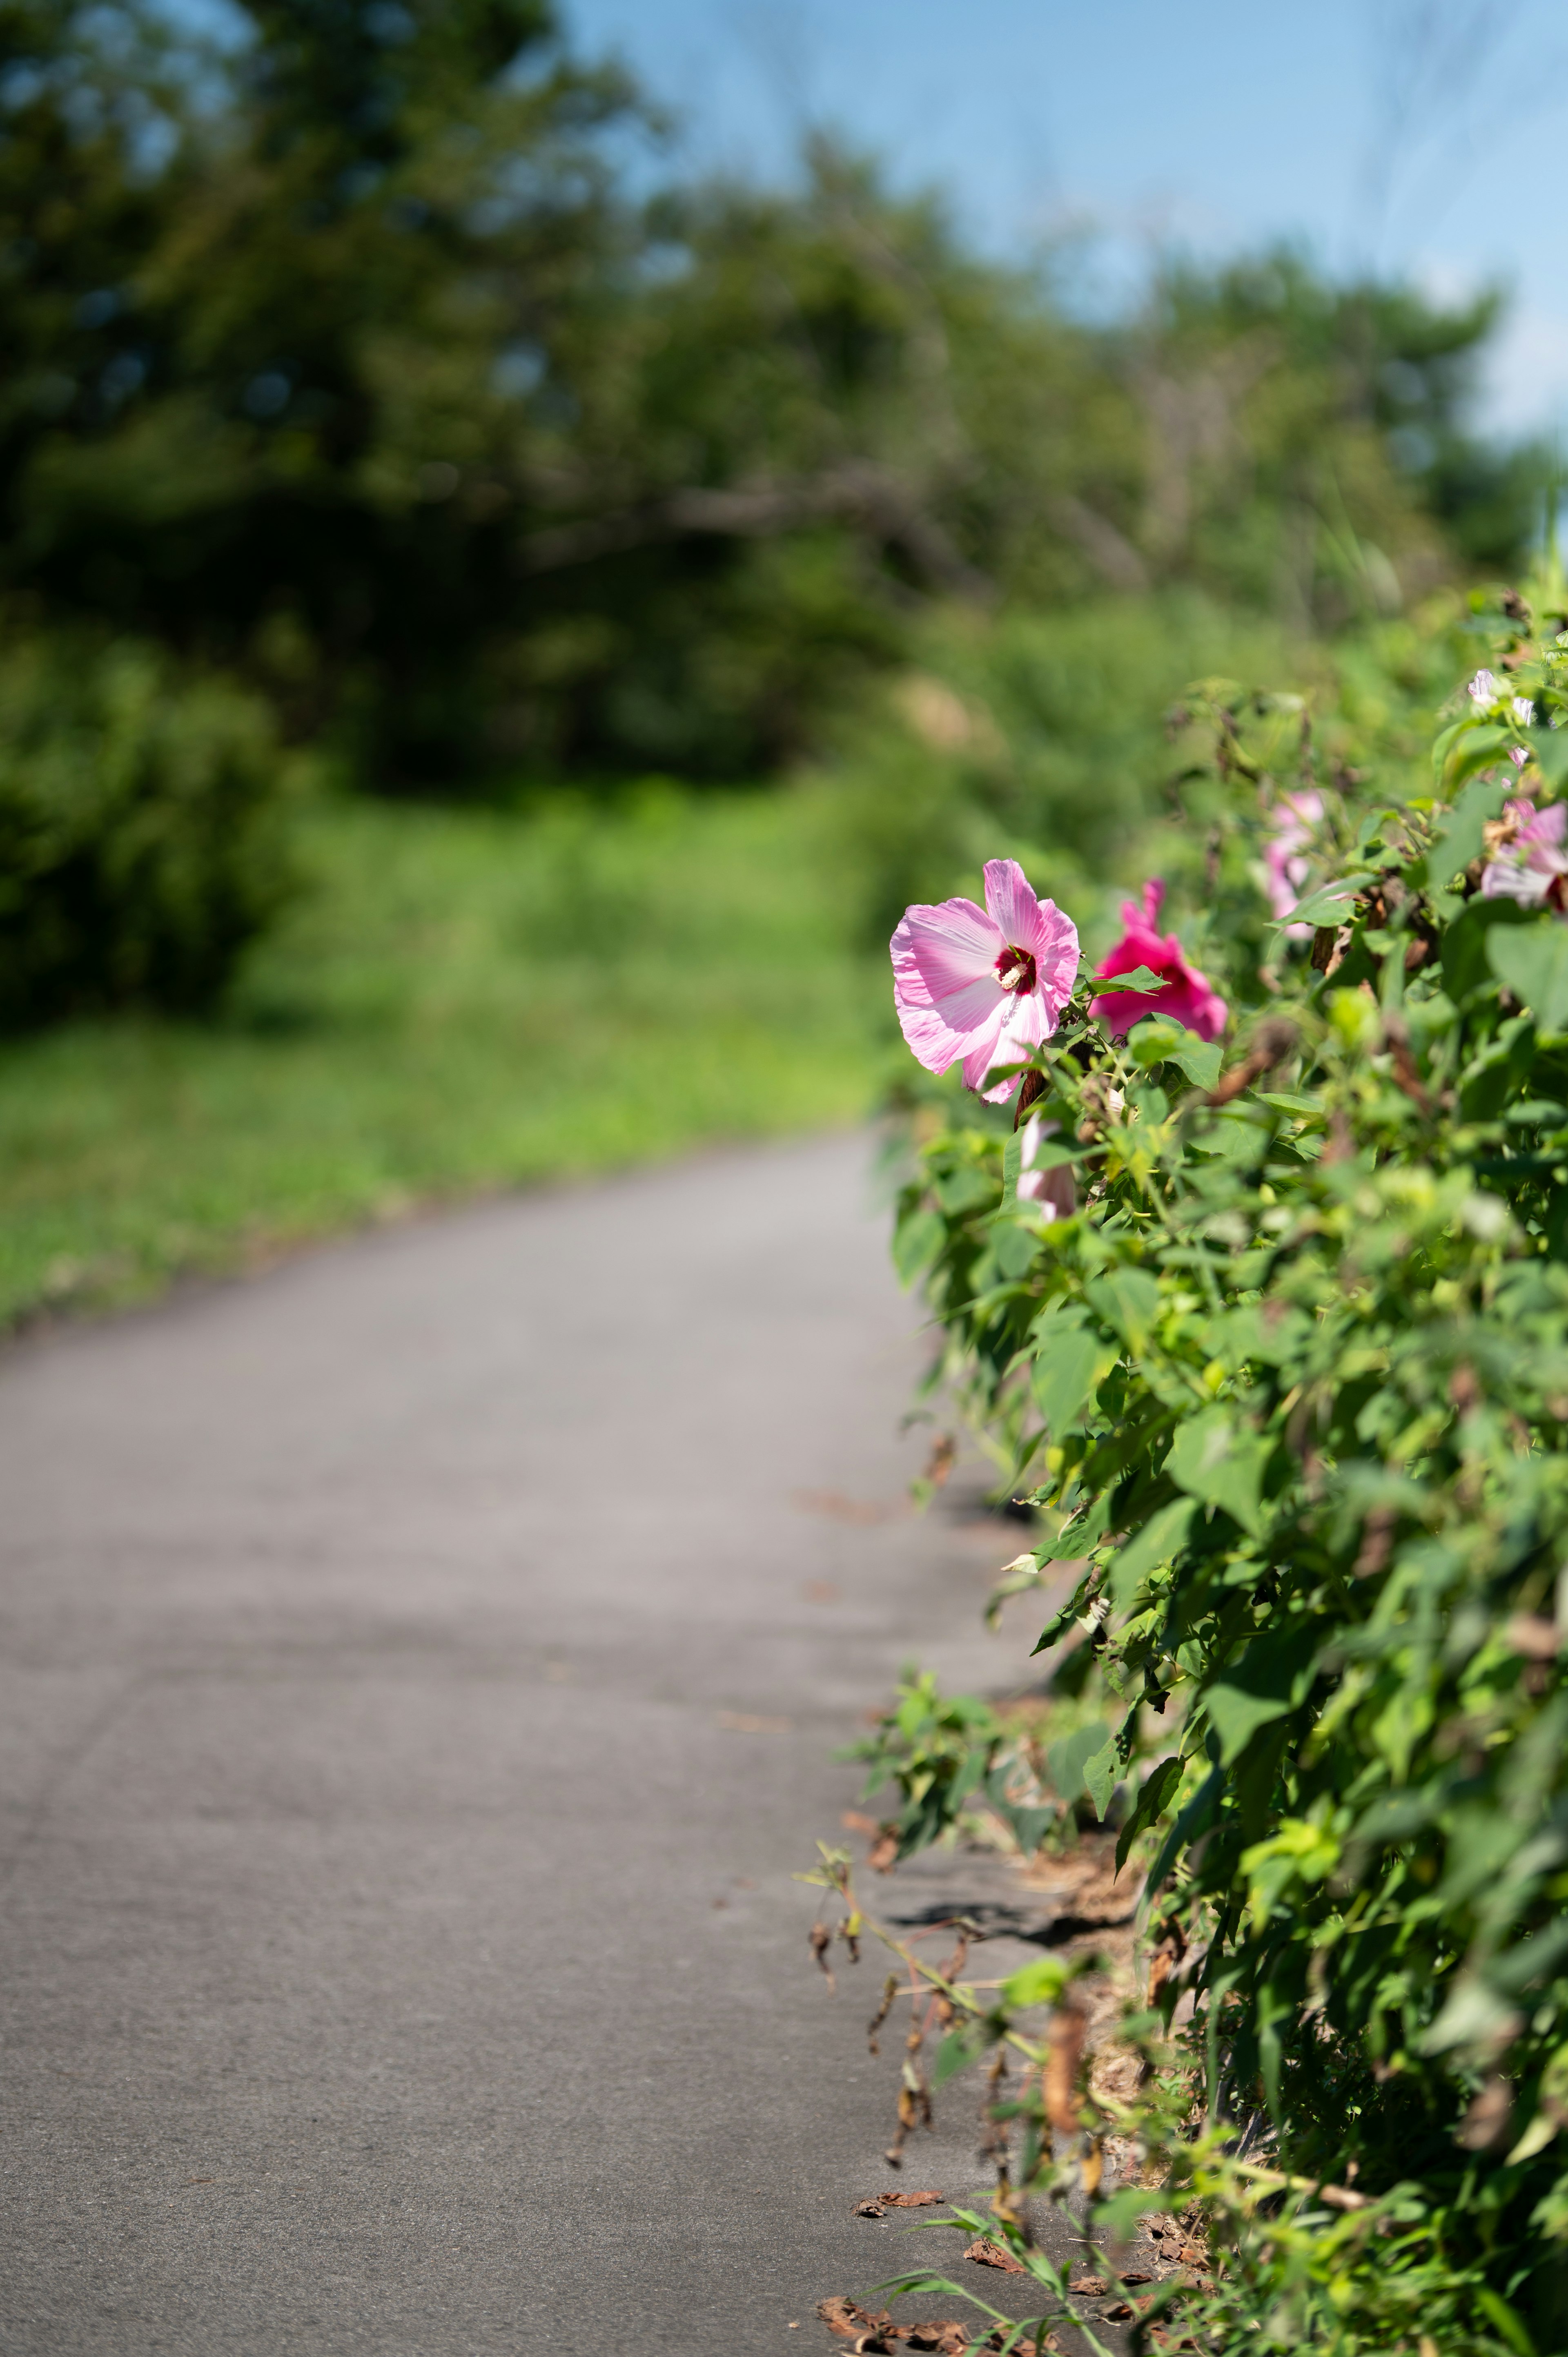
(461, 1000)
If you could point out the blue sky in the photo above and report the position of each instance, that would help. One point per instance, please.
(1421, 136)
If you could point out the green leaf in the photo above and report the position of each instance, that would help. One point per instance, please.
(1161, 1537)
(1118, 2218)
(1160, 1787)
(1128, 1300)
(1475, 748)
(916, 1244)
(1014, 1245)
(1067, 1759)
(1509, 2321)
(1461, 839)
(958, 2050)
(1067, 1355)
(1331, 904)
(1040, 1982)
(1219, 1461)
(1549, 751)
(1140, 978)
(1193, 1821)
(1199, 1060)
(1532, 962)
(1100, 1777)
(1273, 1676)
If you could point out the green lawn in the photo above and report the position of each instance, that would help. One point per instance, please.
(461, 1000)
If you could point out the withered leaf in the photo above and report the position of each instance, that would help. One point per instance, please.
(870, 2210)
(1117, 2313)
(821, 1941)
(856, 2325)
(945, 2335)
(1064, 2041)
(1089, 2286)
(911, 2201)
(987, 2254)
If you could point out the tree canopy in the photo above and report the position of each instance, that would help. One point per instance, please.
(348, 356)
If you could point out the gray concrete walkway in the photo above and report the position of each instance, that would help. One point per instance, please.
(421, 1672)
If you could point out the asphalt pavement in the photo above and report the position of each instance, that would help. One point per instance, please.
(422, 1669)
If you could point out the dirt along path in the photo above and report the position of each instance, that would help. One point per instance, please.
(421, 1668)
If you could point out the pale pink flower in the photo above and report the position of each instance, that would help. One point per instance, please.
(1054, 1189)
(1524, 710)
(1292, 820)
(986, 985)
(1526, 861)
(1484, 688)
(1187, 998)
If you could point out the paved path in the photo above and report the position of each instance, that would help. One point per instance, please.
(421, 1669)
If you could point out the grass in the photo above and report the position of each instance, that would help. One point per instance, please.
(460, 1001)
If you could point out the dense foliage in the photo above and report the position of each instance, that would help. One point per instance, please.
(345, 355)
(140, 840)
(1290, 1385)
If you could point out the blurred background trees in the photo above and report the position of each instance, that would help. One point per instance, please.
(379, 413)
(349, 357)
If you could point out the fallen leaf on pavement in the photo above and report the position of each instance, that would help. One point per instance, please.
(986, 2254)
(1089, 2286)
(870, 2210)
(856, 2325)
(910, 2201)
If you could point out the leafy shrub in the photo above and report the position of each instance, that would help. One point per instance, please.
(140, 846)
(1290, 1385)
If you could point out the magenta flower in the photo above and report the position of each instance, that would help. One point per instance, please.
(1187, 998)
(984, 984)
(1292, 820)
(1526, 861)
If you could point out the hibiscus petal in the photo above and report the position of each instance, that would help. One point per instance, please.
(1025, 1023)
(1505, 879)
(944, 980)
(1054, 945)
(950, 946)
(1012, 901)
(982, 1054)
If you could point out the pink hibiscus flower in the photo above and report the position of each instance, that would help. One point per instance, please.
(984, 984)
(1526, 861)
(1292, 820)
(1187, 998)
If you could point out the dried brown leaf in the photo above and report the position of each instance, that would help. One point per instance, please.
(849, 2321)
(1064, 2040)
(911, 2201)
(820, 1940)
(987, 2254)
(883, 1855)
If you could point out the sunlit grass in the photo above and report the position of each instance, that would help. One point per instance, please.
(462, 1000)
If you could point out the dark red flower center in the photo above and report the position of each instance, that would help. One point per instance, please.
(1016, 970)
